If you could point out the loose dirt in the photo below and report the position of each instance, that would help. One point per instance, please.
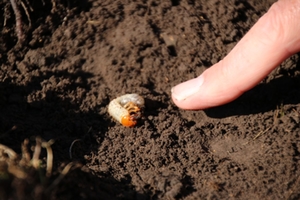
(79, 55)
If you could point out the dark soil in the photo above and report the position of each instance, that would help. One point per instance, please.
(79, 55)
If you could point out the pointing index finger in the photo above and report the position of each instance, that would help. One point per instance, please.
(271, 40)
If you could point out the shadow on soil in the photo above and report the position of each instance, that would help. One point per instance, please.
(39, 105)
(264, 97)
(38, 108)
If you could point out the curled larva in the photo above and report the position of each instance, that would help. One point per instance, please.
(126, 109)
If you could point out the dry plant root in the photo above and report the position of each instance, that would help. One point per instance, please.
(126, 109)
(8, 160)
(21, 167)
(19, 23)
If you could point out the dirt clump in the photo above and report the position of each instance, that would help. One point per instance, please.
(79, 55)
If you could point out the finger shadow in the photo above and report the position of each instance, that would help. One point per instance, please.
(264, 97)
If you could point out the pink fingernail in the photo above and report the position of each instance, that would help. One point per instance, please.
(186, 89)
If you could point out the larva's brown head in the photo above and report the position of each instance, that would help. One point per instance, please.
(134, 113)
(128, 121)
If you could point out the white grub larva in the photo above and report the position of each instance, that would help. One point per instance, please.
(126, 109)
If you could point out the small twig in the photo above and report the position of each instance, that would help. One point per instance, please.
(95, 22)
(28, 3)
(27, 13)
(261, 133)
(18, 18)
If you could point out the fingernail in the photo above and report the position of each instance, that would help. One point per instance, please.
(184, 90)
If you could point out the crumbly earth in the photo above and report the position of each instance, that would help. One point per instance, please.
(79, 55)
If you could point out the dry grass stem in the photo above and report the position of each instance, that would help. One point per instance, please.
(26, 12)
(19, 24)
(36, 154)
(261, 133)
(47, 145)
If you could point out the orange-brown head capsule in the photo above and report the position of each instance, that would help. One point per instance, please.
(128, 121)
(126, 109)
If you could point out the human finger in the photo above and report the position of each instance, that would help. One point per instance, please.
(271, 40)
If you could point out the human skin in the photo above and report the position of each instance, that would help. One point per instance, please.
(274, 38)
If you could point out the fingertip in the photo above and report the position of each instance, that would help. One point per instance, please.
(185, 104)
(186, 89)
(208, 90)
(184, 94)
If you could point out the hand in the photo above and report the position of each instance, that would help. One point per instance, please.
(274, 38)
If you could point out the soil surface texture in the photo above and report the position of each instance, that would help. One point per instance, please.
(77, 56)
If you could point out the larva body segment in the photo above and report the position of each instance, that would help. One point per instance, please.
(126, 109)
(116, 110)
